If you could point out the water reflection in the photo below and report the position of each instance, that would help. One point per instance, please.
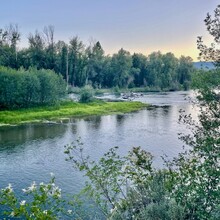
(120, 119)
(20, 134)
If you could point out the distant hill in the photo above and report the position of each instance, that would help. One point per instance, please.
(204, 65)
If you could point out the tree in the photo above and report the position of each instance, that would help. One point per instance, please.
(9, 39)
(61, 58)
(77, 62)
(168, 75)
(121, 64)
(48, 32)
(139, 62)
(211, 53)
(154, 69)
(184, 71)
(37, 50)
(195, 173)
(95, 62)
(107, 75)
(13, 36)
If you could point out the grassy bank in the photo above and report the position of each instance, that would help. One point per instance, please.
(66, 110)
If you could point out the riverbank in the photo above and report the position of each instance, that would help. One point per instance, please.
(116, 90)
(66, 110)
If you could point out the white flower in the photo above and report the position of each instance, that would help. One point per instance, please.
(45, 211)
(56, 191)
(52, 174)
(69, 211)
(32, 187)
(12, 214)
(24, 190)
(22, 202)
(9, 188)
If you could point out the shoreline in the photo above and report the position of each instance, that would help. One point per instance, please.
(65, 111)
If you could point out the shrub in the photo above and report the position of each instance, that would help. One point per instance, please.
(86, 94)
(29, 88)
(126, 187)
(116, 90)
(43, 201)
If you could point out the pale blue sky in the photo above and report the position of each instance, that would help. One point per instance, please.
(136, 25)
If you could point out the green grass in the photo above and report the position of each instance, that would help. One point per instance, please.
(67, 109)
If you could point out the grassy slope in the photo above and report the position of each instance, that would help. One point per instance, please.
(67, 109)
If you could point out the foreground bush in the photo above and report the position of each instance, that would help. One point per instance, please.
(126, 187)
(43, 201)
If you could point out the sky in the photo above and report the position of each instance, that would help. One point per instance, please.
(140, 26)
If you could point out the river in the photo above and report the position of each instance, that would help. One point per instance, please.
(31, 152)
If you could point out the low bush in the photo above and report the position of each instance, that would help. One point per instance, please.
(86, 94)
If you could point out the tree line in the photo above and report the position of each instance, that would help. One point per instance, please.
(82, 64)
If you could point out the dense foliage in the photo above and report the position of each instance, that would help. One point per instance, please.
(195, 173)
(126, 187)
(82, 65)
(32, 87)
(212, 52)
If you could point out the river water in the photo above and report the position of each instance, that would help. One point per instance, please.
(30, 152)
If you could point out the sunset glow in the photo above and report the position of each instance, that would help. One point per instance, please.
(137, 26)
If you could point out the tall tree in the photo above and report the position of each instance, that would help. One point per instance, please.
(185, 69)
(61, 58)
(139, 62)
(48, 32)
(76, 62)
(121, 68)
(168, 75)
(9, 38)
(37, 50)
(95, 64)
(154, 69)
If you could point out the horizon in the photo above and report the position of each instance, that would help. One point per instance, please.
(140, 27)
